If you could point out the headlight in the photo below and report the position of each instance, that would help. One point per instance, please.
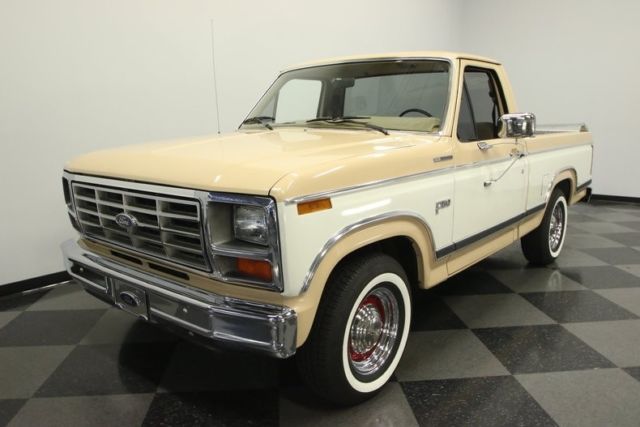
(244, 239)
(250, 224)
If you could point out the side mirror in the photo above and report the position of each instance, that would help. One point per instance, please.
(517, 125)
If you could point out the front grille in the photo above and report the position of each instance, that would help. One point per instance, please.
(166, 227)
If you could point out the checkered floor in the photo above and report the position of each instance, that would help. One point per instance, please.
(501, 344)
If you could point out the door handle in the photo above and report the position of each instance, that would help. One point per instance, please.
(484, 146)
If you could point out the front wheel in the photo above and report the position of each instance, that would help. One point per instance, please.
(543, 245)
(360, 330)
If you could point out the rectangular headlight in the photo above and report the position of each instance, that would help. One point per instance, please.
(244, 239)
(250, 224)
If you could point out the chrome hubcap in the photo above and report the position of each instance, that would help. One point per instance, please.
(373, 331)
(556, 227)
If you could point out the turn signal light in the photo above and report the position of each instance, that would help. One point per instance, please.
(313, 206)
(255, 268)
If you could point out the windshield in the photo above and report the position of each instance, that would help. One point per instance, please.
(408, 95)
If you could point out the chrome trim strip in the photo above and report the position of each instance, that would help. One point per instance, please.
(566, 147)
(243, 322)
(388, 181)
(132, 185)
(395, 180)
(366, 185)
(354, 227)
(489, 162)
(561, 128)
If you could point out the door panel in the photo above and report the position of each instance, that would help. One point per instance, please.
(489, 184)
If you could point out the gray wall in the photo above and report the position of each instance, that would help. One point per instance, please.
(77, 76)
(571, 61)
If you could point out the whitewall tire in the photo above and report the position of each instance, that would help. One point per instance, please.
(544, 244)
(360, 330)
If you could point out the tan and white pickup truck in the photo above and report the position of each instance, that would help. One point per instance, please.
(352, 183)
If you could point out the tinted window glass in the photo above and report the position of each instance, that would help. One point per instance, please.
(480, 98)
(466, 125)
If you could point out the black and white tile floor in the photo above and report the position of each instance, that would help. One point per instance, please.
(501, 344)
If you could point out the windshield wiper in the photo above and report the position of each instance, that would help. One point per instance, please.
(350, 119)
(337, 119)
(259, 120)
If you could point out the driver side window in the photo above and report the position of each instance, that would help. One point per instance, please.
(481, 105)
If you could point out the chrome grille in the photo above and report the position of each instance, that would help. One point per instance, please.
(166, 227)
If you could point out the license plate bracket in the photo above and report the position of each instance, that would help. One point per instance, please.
(131, 299)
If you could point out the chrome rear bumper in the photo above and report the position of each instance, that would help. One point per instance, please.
(262, 327)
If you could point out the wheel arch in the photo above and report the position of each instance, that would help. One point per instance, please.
(565, 180)
(404, 236)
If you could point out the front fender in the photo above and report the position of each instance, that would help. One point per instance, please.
(357, 237)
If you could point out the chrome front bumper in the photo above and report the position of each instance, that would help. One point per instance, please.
(256, 326)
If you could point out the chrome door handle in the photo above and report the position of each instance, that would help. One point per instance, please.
(484, 146)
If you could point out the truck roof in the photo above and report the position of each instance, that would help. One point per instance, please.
(452, 56)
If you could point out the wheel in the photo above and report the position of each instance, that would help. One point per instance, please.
(543, 245)
(360, 330)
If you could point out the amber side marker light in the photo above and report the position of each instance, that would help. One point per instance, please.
(255, 268)
(313, 206)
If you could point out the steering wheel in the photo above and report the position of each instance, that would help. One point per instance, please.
(415, 110)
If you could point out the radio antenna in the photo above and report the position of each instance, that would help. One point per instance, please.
(215, 83)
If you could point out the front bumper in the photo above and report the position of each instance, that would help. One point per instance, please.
(263, 327)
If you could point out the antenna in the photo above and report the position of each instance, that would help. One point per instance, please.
(215, 83)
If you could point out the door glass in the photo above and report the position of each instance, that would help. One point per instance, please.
(466, 126)
(480, 98)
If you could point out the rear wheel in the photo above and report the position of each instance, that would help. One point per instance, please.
(360, 330)
(544, 244)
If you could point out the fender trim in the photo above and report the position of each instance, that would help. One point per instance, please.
(355, 227)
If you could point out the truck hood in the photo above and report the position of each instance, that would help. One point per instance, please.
(249, 162)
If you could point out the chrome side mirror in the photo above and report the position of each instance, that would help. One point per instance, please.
(517, 125)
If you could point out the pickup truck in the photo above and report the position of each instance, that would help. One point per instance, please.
(352, 184)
